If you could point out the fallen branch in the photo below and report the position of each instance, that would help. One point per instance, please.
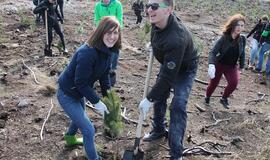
(203, 95)
(199, 150)
(212, 144)
(215, 32)
(128, 120)
(188, 111)
(137, 75)
(261, 98)
(199, 108)
(217, 121)
(52, 65)
(261, 94)
(47, 117)
(98, 134)
(35, 78)
(206, 83)
(163, 146)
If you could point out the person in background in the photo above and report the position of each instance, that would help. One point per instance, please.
(61, 7)
(53, 15)
(38, 16)
(223, 58)
(138, 9)
(110, 8)
(265, 47)
(90, 63)
(174, 49)
(256, 40)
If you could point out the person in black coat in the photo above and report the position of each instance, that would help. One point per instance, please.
(138, 9)
(61, 7)
(38, 16)
(257, 39)
(52, 18)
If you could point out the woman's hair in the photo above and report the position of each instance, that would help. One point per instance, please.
(106, 25)
(232, 23)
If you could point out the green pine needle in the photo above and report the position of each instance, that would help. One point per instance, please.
(113, 121)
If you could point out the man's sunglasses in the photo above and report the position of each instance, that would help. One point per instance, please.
(155, 6)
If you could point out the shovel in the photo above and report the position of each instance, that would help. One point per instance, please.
(137, 154)
(47, 50)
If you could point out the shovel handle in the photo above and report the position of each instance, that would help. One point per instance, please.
(149, 71)
(145, 91)
(46, 26)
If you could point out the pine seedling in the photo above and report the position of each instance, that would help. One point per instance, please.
(113, 121)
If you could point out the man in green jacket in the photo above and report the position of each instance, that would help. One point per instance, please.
(110, 8)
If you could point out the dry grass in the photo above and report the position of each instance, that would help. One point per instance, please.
(47, 90)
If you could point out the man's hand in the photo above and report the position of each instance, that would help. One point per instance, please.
(144, 107)
(101, 107)
(211, 71)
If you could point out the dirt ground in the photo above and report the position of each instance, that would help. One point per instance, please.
(240, 133)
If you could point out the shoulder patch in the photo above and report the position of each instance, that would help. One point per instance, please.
(171, 65)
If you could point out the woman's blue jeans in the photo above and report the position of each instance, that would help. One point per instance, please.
(75, 109)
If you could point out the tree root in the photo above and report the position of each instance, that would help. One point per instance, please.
(47, 117)
(33, 73)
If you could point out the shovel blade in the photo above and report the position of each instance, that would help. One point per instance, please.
(129, 155)
(48, 52)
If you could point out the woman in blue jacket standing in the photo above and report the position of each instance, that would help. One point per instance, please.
(91, 62)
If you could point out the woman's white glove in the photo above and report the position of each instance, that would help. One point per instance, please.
(144, 107)
(211, 71)
(101, 107)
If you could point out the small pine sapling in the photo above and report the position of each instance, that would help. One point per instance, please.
(113, 121)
